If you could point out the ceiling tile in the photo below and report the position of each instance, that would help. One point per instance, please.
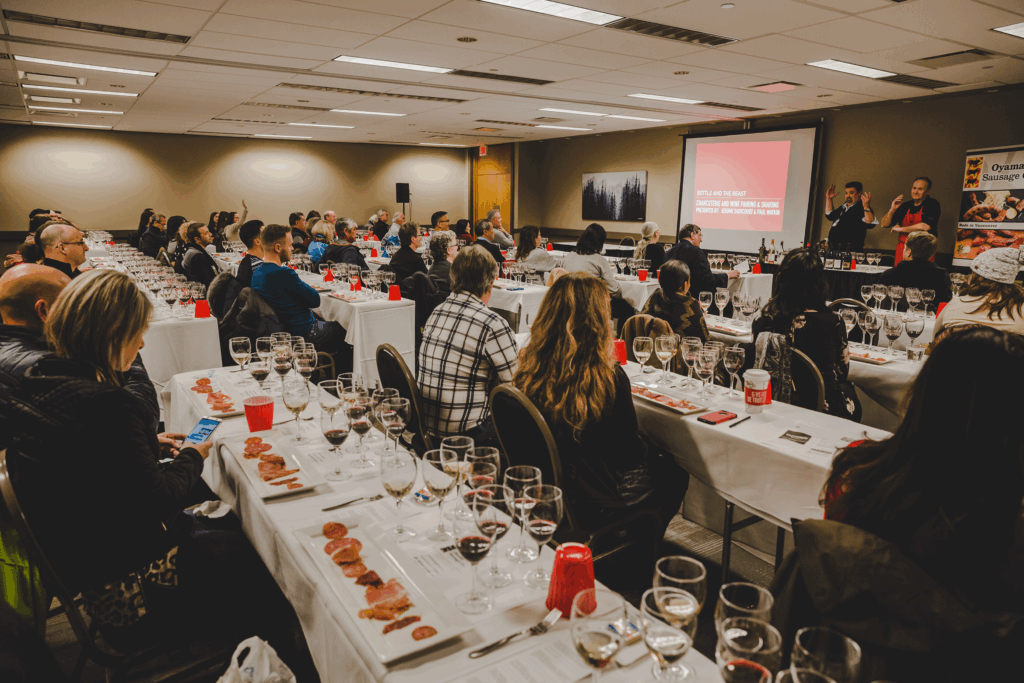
(206, 5)
(798, 51)
(271, 114)
(249, 58)
(309, 14)
(65, 54)
(536, 68)
(582, 56)
(514, 22)
(959, 20)
(247, 77)
(412, 52)
(810, 75)
(128, 13)
(746, 20)
(729, 61)
(624, 43)
(264, 46)
(634, 80)
(279, 30)
(589, 86)
(1005, 70)
(312, 99)
(852, 6)
(236, 128)
(441, 34)
(857, 35)
(399, 8)
(694, 74)
(479, 84)
(373, 77)
(914, 51)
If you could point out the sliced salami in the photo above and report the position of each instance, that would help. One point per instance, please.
(353, 570)
(423, 632)
(335, 530)
(401, 623)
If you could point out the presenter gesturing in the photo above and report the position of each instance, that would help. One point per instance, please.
(853, 218)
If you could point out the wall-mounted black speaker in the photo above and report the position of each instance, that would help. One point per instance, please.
(402, 193)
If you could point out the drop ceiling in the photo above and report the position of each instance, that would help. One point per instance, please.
(258, 67)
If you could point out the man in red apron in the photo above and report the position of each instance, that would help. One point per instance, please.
(920, 214)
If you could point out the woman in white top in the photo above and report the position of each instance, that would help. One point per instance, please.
(588, 259)
(529, 250)
(990, 297)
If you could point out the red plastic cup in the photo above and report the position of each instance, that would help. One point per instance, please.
(642, 275)
(756, 270)
(620, 351)
(373, 253)
(657, 274)
(853, 264)
(202, 308)
(328, 276)
(259, 413)
(572, 572)
(550, 246)
(503, 253)
(394, 293)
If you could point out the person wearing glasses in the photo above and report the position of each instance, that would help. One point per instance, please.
(63, 248)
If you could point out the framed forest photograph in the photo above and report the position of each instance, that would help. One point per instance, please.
(620, 196)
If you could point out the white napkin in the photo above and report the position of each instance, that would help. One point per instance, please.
(212, 509)
(743, 267)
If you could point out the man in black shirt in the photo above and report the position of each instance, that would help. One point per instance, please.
(249, 233)
(485, 238)
(688, 251)
(852, 219)
(381, 227)
(347, 251)
(198, 265)
(63, 248)
(406, 261)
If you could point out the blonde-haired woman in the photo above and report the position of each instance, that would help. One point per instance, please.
(322, 234)
(569, 372)
(648, 247)
(106, 512)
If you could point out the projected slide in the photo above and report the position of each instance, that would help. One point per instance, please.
(745, 187)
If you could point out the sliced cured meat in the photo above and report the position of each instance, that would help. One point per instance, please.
(284, 481)
(335, 545)
(270, 476)
(370, 578)
(295, 485)
(422, 632)
(202, 389)
(401, 623)
(335, 530)
(203, 381)
(262, 447)
(348, 550)
(392, 589)
(270, 462)
(223, 407)
(249, 456)
(253, 439)
(384, 613)
(354, 569)
(269, 457)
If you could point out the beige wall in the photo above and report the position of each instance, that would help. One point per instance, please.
(104, 179)
(884, 146)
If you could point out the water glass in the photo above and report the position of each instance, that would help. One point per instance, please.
(597, 624)
(748, 650)
(543, 519)
(742, 600)
(519, 478)
(642, 349)
(441, 475)
(684, 573)
(398, 476)
(668, 622)
(827, 652)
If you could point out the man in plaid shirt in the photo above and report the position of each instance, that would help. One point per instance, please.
(467, 349)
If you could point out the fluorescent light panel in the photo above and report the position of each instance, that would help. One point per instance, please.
(663, 98)
(1012, 30)
(70, 125)
(372, 113)
(635, 118)
(438, 144)
(84, 92)
(55, 100)
(573, 111)
(285, 137)
(49, 78)
(589, 130)
(90, 67)
(318, 125)
(393, 65)
(79, 111)
(558, 9)
(847, 68)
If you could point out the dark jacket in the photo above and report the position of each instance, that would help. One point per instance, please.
(222, 294)
(380, 228)
(930, 211)
(344, 253)
(199, 266)
(848, 227)
(180, 248)
(920, 274)
(62, 267)
(84, 464)
(655, 253)
(682, 312)
(405, 262)
(441, 273)
(249, 316)
(246, 266)
(701, 277)
(152, 241)
(494, 250)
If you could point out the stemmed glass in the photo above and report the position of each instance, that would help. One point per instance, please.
(913, 298)
(334, 424)
(295, 395)
(705, 368)
(914, 326)
(685, 573)
(895, 294)
(497, 525)
(379, 396)
(642, 349)
(742, 600)
(463, 446)
(862, 322)
(871, 325)
(519, 478)
(927, 296)
(282, 358)
(737, 306)
(169, 295)
(668, 621)
(717, 348)
(721, 300)
(264, 348)
(241, 351)
(826, 652)
(665, 348)
(690, 347)
(357, 410)
(394, 414)
(705, 299)
(543, 519)
(398, 475)
(849, 317)
(597, 624)
(259, 370)
(748, 650)
(893, 327)
(474, 544)
(440, 476)
(879, 292)
(733, 358)
(866, 292)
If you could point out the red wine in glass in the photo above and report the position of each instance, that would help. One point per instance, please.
(541, 530)
(336, 437)
(744, 671)
(260, 374)
(474, 548)
(495, 529)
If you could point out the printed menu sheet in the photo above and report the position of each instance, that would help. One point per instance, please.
(554, 661)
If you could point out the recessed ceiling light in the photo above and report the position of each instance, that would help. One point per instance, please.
(635, 118)
(777, 86)
(558, 9)
(1016, 30)
(80, 111)
(51, 88)
(728, 5)
(573, 111)
(564, 128)
(71, 125)
(437, 144)
(269, 116)
(284, 137)
(663, 98)
(393, 65)
(371, 113)
(47, 78)
(90, 67)
(847, 68)
(318, 125)
(55, 100)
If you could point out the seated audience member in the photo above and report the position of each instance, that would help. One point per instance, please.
(249, 233)
(990, 296)
(230, 231)
(396, 225)
(688, 251)
(63, 248)
(197, 263)
(587, 258)
(181, 247)
(406, 260)
(959, 525)
(82, 442)
(439, 222)
(555, 274)
(529, 250)
(917, 269)
(380, 225)
(798, 309)
(485, 238)
(330, 216)
(463, 231)
(648, 248)
(673, 303)
(290, 297)
(175, 234)
(443, 249)
(155, 238)
(301, 227)
(145, 220)
(313, 213)
(501, 237)
(27, 293)
(467, 348)
(569, 373)
(322, 234)
(26, 252)
(346, 251)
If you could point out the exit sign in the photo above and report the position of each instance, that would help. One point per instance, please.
(483, 150)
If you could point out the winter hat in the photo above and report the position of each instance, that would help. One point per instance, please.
(999, 265)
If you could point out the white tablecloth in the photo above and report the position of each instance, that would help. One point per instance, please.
(886, 384)
(176, 346)
(759, 285)
(338, 649)
(635, 292)
(227, 262)
(522, 302)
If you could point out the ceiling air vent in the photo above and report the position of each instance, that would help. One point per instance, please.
(547, 119)
(367, 93)
(267, 123)
(284, 106)
(736, 107)
(683, 35)
(953, 59)
(916, 82)
(484, 129)
(507, 123)
(26, 18)
(498, 77)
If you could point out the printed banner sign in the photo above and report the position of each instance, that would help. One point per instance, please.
(991, 204)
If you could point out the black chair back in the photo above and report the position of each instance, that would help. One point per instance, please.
(839, 304)
(808, 384)
(395, 374)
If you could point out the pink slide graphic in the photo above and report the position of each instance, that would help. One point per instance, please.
(741, 185)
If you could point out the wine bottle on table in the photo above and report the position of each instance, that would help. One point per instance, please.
(847, 258)
(762, 253)
(772, 253)
(831, 257)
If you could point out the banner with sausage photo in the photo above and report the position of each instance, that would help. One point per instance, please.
(992, 203)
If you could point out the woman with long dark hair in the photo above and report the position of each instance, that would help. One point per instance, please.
(798, 308)
(990, 297)
(529, 250)
(587, 258)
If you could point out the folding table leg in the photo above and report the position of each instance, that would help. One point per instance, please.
(727, 541)
(780, 547)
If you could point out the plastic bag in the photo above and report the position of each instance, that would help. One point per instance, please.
(255, 661)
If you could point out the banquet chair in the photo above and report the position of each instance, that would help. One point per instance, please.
(163, 258)
(116, 664)
(395, 374)
(839, 304)
(526, 439)
(627, 242)
(808, 383)
(644, 325)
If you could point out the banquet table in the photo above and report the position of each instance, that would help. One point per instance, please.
(228, 263)
(845, 284)
(635, 292)
(609, 249)
(176, 346)
(340, 650)
(521, 300)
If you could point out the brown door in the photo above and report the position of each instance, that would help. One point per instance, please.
(492, 183)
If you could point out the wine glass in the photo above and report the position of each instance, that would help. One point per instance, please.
(748, 650)
(264, 348)
(668, 621)
(282, 358)
(499, 522)
(871, 325)
(705, 369)
(398, 475)
(742, 600)
(259, 370)
(597, 624)
(913, 298)
(849, 317)
(485, 454)
(169, 295)
(862, 318)
(721, 300)
(642, 348)
(394, 414)
(440, 476)
(519, 478)
(879, 292)
(914, 326)
(717, 348)
(664, 348)
(893, 328)
(473, 545)
(690, 347)
(927, 296)
(295, 395)
(705, 299)
(737, 303)
(358, 410)
(241, 351)
(733, 359)
(684, 573)
(866, 292)
(826, 652)
(543, 519)
(895, 294)
(334, 424)
(463, 446)
(379, 395)
(305, 359)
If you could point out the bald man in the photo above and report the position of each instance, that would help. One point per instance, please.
(63, 248)
(27, 293)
